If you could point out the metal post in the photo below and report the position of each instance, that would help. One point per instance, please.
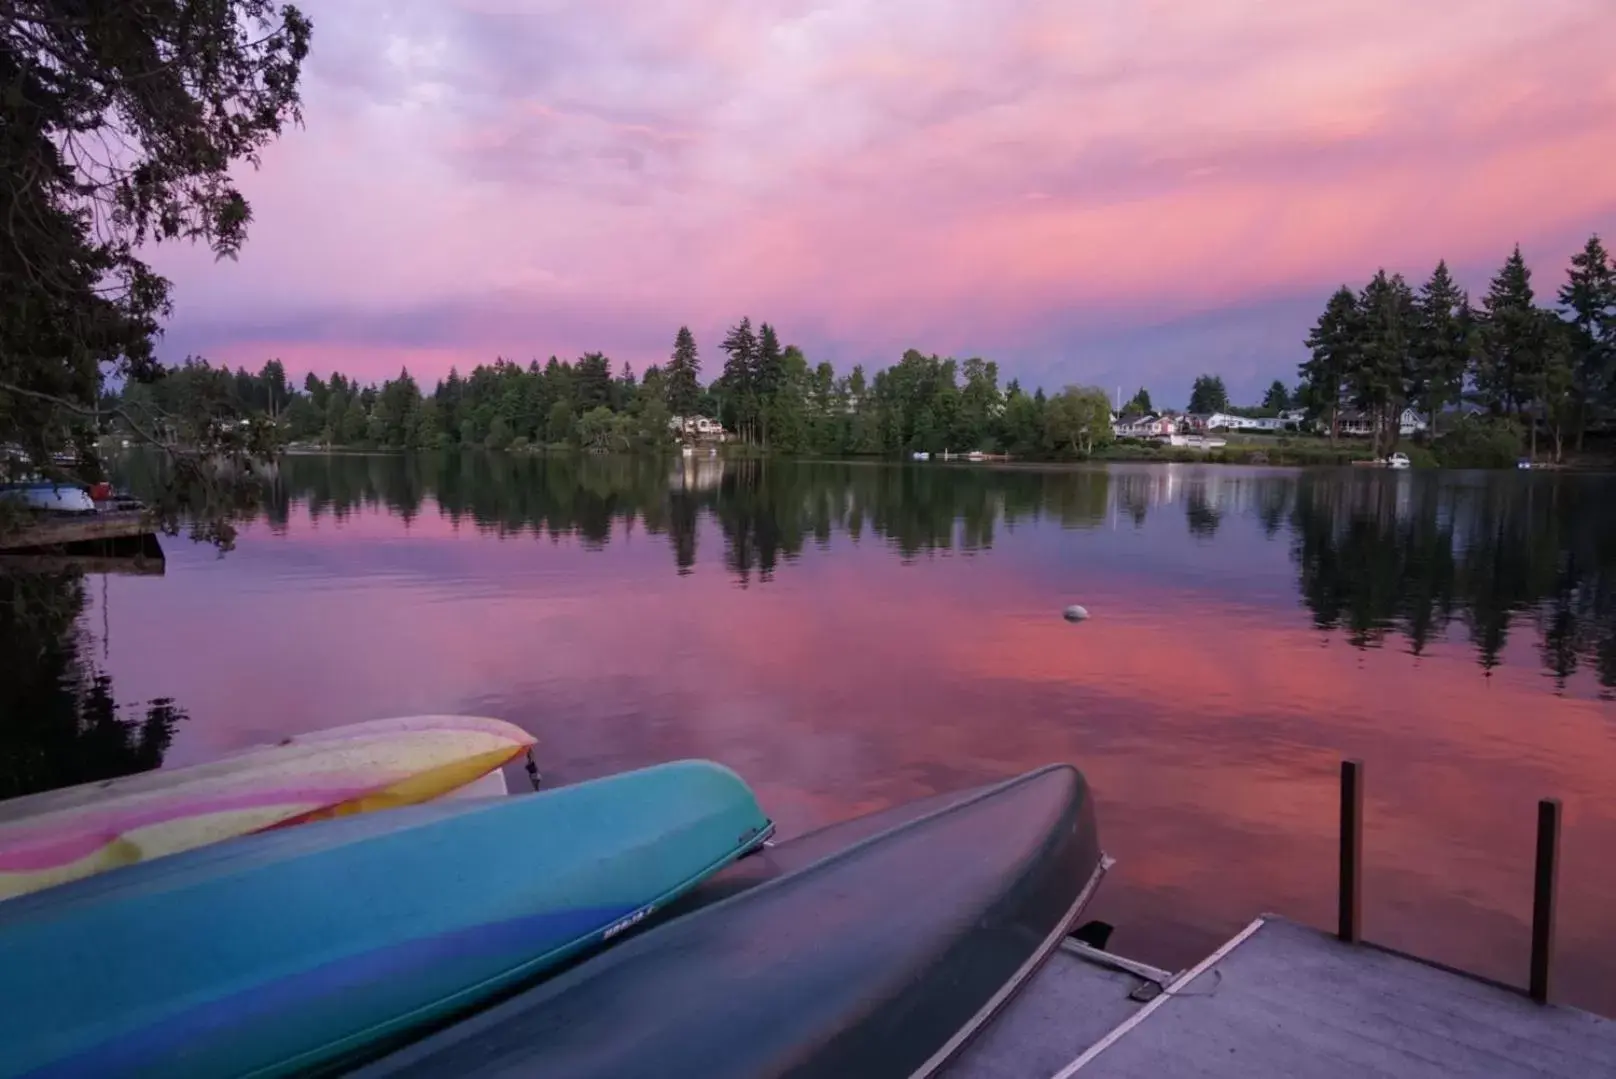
(1544, 886)
(1351, 898)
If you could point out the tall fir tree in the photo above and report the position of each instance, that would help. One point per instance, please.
(738, 395)
(1509, 342)
(1443, 341)
(1378, 383)
(682, 380)
(768, 375)
(1334, 345)
(1589, 298)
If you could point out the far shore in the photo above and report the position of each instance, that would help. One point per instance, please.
(1307, 453)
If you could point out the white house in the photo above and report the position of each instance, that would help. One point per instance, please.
(1355, 423)
(698, 427)
(1150, 425)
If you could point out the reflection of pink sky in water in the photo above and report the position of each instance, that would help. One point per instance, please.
(1210, 730)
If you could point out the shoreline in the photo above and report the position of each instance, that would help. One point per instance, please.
(1241, 457)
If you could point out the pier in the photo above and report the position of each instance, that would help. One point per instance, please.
(1283, 999)
(65, 530)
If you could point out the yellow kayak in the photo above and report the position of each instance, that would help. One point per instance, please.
(61, 835)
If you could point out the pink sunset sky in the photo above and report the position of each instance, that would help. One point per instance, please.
(1097, 192)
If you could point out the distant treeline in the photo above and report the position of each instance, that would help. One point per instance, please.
(1387, 347)
(766, 395)
(1377, 351)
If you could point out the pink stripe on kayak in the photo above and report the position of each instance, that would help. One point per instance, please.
(372, 728)
(44, 850)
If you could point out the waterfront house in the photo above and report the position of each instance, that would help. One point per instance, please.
(1361, 425)
(698, 428)
(1150, 425)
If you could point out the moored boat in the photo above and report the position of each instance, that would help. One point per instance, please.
(48, 497)
(278, 953)
(882, 955)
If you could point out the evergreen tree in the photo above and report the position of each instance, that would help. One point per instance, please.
(683, 377)
(1208, 395)
(1509, 356)
(1277, 399)
(624, 390)
(1138, 404)
(1334, 348)
(737, 393)
(1589, 297)
(768, 374)
(1378, 382)
(1443, 339)
(1556, 390)
(592, 382)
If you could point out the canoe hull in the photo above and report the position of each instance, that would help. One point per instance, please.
(279, 952)
(881, 959)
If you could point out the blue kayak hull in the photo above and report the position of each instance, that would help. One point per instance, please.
(289, 950)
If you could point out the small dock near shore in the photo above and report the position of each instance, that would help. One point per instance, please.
(1286, 1000)
(62, 530)
(116, 541)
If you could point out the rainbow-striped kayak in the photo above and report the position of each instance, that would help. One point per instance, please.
(57, 836)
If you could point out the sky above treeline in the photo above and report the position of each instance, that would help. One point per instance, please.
(1110, 192)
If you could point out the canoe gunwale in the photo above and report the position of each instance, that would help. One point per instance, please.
(1034, 906)
(1022, 976)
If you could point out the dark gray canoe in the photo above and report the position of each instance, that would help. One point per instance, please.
(879, 957)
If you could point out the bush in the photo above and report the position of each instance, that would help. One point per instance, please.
(1480, 442)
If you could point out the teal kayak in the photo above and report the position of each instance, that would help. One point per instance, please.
(293, 949)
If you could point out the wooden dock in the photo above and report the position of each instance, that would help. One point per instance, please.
(68, 529)
(1281, 999)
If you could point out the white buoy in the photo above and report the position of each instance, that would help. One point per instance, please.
(1074, 613)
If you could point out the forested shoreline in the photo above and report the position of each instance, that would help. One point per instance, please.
(1516, 368)
(1527, 368)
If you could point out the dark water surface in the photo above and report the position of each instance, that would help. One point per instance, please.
(852, 636)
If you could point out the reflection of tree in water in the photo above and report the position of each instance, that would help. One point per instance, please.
(1378, 555)
(59, 723)
(1200, 512)
(1411, 555)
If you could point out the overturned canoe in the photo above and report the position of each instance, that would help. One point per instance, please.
(882, 958)
(62, 835)
(284, 951)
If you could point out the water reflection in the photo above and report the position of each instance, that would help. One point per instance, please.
(60, 724)
(848, 636)
(1378, 557)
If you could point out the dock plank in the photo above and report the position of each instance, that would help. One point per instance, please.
(1066, 1007)
(65, 529)
(1292, 1001)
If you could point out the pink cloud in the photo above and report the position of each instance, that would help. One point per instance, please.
(957, 175)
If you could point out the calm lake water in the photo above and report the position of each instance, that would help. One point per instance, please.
(851, 636)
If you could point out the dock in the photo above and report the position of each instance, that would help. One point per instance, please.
(66, 530)
(1282, 999)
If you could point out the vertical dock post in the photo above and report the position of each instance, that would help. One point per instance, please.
(1351, 897)
(1544, 886)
